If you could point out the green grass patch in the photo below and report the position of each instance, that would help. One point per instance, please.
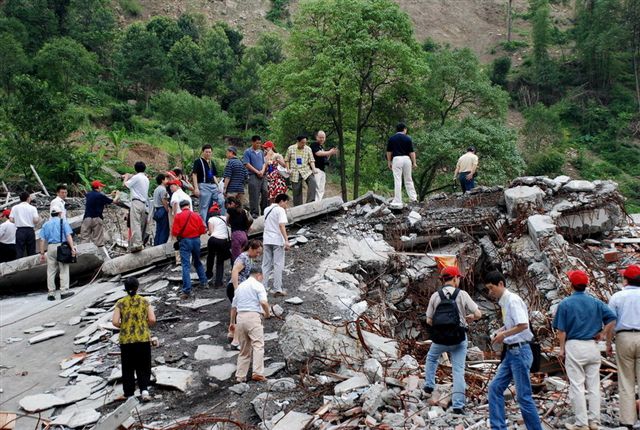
(131, 7)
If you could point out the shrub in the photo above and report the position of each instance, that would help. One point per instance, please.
(131, 7)
(121, 114)
(548, 162)
(499, 71)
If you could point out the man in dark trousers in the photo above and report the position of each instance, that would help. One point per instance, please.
(92, 228)
(253, 160)
(401, 159)
(205, 182)
(25, 217)
(187, 228)
(7, 238)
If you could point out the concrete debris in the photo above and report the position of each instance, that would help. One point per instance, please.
(222, 372)
(205, 325)
(213, 352)
(172, 377)
(240, 388)
(273, 368)
(523, 197)
(353, 383)
(277, 310)
(49, 334)
(77, 419)
(199, 303)
(32, 330)
(40, 402)
(293, 421)
(294, 301)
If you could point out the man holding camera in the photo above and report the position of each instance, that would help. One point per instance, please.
(54, 232)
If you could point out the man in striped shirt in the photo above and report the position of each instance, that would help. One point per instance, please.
(235, 175)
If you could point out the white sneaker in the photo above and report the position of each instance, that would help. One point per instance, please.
(146, 397)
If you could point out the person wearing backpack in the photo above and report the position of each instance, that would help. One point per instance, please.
(449, 311)
(517, 336)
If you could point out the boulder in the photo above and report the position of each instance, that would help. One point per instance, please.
(579, 186)
(523, 196)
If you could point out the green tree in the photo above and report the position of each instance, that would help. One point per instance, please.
(188, 65)
(13, 60)
(64, 63)
(544, 69)
(92, 23)
(192, 25)
(344, 55)
(15, 28)
(142, 65)
(201, 119)
(166, 30)
(38, 19)
(219, 63)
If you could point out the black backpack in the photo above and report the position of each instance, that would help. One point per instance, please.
(446, 328)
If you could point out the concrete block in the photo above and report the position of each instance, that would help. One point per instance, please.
(293, 421)
(173, 377)
(540, 226)
(523, 196)
(353, 383)
(579, 186)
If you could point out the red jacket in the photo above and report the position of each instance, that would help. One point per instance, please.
(193, 228)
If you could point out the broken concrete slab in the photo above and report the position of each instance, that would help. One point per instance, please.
(160, 285)
(294, 301)
(40, 402)
(117, 417)
(240, 388)
(353, 383)
(32, 330)
(540, 226)
(523, 196)
(293, 421)
(577, 186)
(172, 377)
(222, 372)
(205, 325)
(73, 393)
(77, 419)
(74, 321)
(588, 221)
(273, 368)
(72, 361)
(213, 352)
(198, 303)
(49, 334)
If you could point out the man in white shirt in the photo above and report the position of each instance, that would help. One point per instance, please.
(275, 242)
(138, 184)
(466, 168)
(518, 358)
(177, 196)
(60, 200)
(25, 217)
(7, 238)
(247, 308)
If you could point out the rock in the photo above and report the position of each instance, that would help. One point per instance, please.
(475, 354)
(561, 180)
(198, 303)
(213, 352)
(373, 399)
(273, 368)
(353, 383)
(294, 301)
(523, 196)
(240, 388)
(222, 372)
(579, 186)
(204, 325)
(50, 324)
(302, 338)
(277, 310)
(403, 367)
(80, 418)
(74, 320)
(373, 369)
(40, 402)
(293, 421)
(172, 377)
(265, 406)
(49, 334)
(555, 383)
(302, 240)
(414, 217)
(540, 226)
(282, 385)
(32, 330)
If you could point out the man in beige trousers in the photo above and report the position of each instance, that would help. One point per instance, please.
(626, 305)
(247, 309)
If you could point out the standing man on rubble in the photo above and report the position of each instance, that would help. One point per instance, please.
(7, 238)
(300, 162)
(25, 217)
(626, 305)
(235, 175)
(59, 201)
(205, 182)
(579, 321)
(449, 312)
(187, 228)
(401, 158)
(516, 336)
(466, 168)
(275, 242)
(138, 184)
(253, 159)
(92, 228)
(321, 157)
(54, 232)
(161, 210)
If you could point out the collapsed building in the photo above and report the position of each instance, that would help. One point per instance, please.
(347, 347)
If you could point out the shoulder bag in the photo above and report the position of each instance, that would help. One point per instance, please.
(176, 244)
(64, 252)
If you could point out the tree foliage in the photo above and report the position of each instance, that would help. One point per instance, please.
(63, 63)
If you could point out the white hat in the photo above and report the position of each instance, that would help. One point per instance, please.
(56, 207)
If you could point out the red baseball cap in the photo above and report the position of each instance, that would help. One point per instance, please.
(6, 213)
(452, 271)
(215, 208)
(631, 272)
(268, 144)
(175, 182)
(578, 277)
(96, 184)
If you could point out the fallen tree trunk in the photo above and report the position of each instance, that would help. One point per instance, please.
(155, 254)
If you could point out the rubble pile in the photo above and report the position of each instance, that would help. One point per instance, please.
(346, 349)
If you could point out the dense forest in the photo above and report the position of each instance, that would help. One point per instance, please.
(78, 91)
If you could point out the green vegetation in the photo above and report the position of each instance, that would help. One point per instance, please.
(77, 92)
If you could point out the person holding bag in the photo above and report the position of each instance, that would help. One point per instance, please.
(57, 242)
(218, 245)
(187, 228)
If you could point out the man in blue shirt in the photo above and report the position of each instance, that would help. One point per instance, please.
(253, 160)
(579, 321)
(516, 336)
(92, 229)
(235, 175)
(52, 234)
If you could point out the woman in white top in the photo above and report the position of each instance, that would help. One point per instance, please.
(219, 244)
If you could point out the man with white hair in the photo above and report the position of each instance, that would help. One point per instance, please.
(321, 157)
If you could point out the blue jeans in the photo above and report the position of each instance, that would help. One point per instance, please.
(515, 366)
(210, 193)
(465, 184)
(191, 248)
(161, 217)
(458, 354)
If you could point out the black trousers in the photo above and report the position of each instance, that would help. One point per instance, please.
(136, 358)
(25, 242)
(7, 252)
(220, 251)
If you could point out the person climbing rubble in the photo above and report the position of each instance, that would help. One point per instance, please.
(580, 321)
(449, 312)
(92, 228)
(187, 229)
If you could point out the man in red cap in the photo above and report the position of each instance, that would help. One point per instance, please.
(7, 238)
(626, 305)
(580, 320)
(449, 312)
(92, 229)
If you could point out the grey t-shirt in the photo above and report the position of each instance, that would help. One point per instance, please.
(159, 194)
(465, 303)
